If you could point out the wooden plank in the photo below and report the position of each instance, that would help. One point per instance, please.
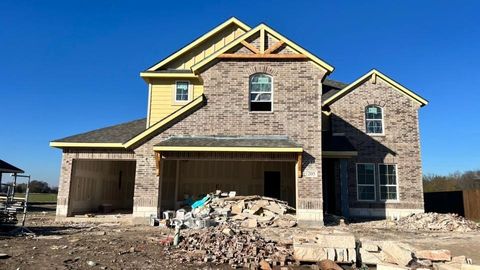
(262, 56)
(274, 47)
(250, 47)
(158, 160)
(177, 177)
(299, 165)
(262, 40)
(471, 203)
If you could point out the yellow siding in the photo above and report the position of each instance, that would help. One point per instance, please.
(162, 101)
(206, 48)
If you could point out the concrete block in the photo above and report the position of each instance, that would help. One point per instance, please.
(250, 223)
(336, 240)
(341, 254)
(352, 255)
(331, 254)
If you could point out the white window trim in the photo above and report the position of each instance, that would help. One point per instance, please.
(249, 101)
(365, 120)
(374, 182)
(182, 102)
(380, 184)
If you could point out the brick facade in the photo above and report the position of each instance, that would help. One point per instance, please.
(296, 113)
(400, 145)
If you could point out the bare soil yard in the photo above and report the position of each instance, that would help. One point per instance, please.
(120, 246)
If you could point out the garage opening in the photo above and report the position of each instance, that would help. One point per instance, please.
(184, 181)
(102, 186)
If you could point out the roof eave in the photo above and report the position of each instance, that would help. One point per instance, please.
(375, 72)
(62, 145)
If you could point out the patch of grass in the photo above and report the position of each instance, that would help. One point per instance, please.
(39, 197)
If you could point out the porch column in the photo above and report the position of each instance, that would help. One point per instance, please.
(63, 197)
(344, 187)
(309, 191)
(146, 198)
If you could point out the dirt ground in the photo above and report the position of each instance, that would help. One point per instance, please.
(120, 246)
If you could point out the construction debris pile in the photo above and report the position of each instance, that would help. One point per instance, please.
(253, 211)
(246, 211)
(432, 222)
(228, 243)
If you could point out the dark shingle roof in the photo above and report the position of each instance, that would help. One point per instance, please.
(336, 143)
(335, 84)
(114, 134)
(331, 87)
(9, 168)
(241, 141)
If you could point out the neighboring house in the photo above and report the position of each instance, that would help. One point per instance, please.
(248, 110)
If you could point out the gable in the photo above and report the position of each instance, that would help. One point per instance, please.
(262, 42)
(202, 47)
(372, 75)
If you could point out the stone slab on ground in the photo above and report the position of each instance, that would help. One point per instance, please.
(336, 240)
(388, 266)
(470, 267)
(370, 246)
(459, 259)
(370, 257)
(396, 253)
(434, 255)
(447, 266)
(307, 252)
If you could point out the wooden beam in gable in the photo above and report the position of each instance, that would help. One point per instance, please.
(263, 56)
(274, 47)
(250, 47)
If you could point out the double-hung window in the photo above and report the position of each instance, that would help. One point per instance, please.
(182, 91)
(261, 91)
(388, 181)
(374, 119)
(366, 182)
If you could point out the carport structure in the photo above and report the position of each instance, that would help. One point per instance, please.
(6, 167)
(190, 167)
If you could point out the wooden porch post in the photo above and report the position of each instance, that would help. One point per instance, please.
(344, 187)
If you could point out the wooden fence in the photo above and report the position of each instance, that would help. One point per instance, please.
(471, 204)
(465, 203)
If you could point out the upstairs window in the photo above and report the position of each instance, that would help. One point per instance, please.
(374, 119)
(181, 91)
(260, 93)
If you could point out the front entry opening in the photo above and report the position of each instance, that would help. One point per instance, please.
(185, 181)
(331, 202)
(272, 184)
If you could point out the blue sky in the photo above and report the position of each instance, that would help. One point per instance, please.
(72, 66)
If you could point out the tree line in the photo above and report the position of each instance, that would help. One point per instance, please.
(454, 181)
(36, 186)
